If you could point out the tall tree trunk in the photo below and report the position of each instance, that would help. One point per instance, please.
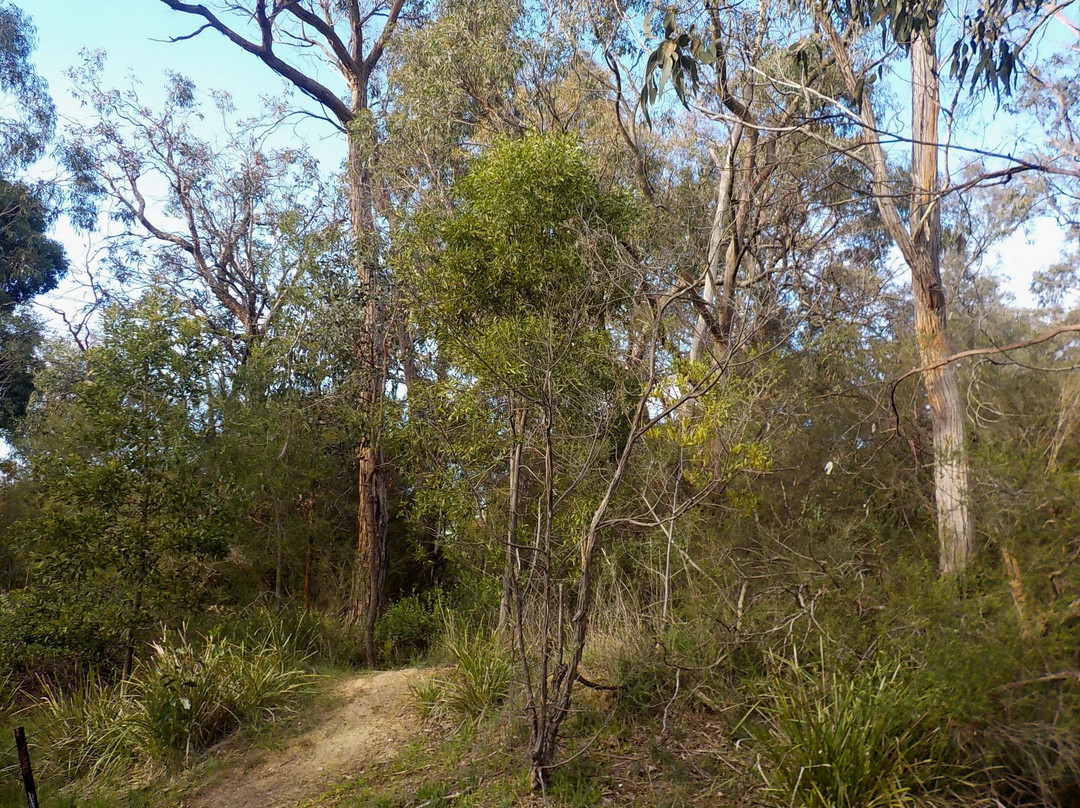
(308, 558)
(719, 234)
(951, 486)
(346, 55)
(372, 557)
(921, 247)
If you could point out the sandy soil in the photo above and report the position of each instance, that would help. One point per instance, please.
(369, 722)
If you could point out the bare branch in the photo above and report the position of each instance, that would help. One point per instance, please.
(264, 51)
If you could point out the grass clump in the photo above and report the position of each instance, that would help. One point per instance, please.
(194, 693)
(189, 693)
(91, 731)
(478, 682)
(309, 634)
(863, 740)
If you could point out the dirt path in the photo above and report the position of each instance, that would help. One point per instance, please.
(370, 721)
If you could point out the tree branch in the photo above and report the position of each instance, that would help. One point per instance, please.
(1049, 335)
(341, 52)
(264, 51)
(377, 49)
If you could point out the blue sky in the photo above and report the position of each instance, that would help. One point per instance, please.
(133, 34)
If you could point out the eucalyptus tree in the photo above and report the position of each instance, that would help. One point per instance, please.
(985, 52)
(29, 121)
(353, 38)
(30, 261)
(221, 222)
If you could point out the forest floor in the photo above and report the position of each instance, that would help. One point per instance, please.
(367, 720)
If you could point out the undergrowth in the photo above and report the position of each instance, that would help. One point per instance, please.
(479, 680)
(840, 739)
(190, 692)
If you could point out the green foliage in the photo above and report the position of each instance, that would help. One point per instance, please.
(860, 739)
(20, 338)
(479, 681)
(407, 629)
(517, 285)
(126, 519)
(514, 245)
(188, 694)
(22, 139)
(520, 275)
(676, 59)
(985, 53)
(30, 262)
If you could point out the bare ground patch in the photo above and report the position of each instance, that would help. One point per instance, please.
(369, 723)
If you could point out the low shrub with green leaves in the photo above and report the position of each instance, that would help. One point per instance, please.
(193, 693)
(407, 629)
(851, 740)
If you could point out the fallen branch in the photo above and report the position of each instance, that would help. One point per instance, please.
(594, 686)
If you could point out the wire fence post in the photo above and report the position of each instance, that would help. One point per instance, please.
(24, 767)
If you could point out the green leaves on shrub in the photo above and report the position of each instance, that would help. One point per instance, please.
(406, 629)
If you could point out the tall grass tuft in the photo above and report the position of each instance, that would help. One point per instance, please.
(310, 634)
(8, 695)
(193, 693)
(91, 731)
(478, 683)
(189, 693)
(850, 741)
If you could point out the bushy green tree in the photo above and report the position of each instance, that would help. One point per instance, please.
(517, 286)
(125, 517)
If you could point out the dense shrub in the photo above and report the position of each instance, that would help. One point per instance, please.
(407, 629)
